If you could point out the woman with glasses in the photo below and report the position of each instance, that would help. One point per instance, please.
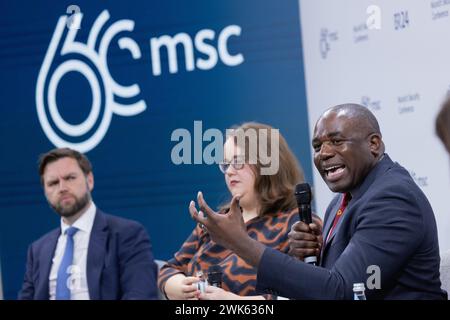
(268, 207)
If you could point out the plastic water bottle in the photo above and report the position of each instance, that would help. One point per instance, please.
(359, 291)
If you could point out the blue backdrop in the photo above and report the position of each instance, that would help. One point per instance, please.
(134, 174)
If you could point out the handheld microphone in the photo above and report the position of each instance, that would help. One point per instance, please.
(303, 197)
(215, 276)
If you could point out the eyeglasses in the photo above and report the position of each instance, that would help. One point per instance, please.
(236, 164)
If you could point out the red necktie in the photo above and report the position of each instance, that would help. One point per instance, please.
(339, 213)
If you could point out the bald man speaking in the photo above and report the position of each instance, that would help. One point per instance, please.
(380, 223)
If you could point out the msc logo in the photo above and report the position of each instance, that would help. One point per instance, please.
(326, 37)
(82, 58)
(89, 59)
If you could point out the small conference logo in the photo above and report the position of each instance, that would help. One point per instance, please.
(65, 55)
(82, 58)
(370, 103)
(421, 181)
(401, 20)
(326, 38)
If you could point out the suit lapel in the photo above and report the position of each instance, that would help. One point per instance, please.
(344, 216)
(328, 225)
(331, 216)
(96, 254)
(45, 264)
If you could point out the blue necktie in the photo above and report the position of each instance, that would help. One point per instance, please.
(62, 288)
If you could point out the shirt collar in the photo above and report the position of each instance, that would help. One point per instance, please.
(85, 222)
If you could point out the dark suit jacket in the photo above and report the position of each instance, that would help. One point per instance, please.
(389, 224)
(119, 263)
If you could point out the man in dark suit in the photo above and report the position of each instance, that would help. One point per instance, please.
(92, 255)
(379, 230)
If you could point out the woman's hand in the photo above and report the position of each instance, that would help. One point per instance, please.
(214, 293)
(189, 288)
(180, 287)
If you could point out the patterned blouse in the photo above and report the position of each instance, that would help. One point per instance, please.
(199, 252)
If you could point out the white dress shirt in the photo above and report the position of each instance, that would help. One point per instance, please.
(79, 288)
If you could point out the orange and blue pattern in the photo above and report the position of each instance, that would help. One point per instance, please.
(199, 252)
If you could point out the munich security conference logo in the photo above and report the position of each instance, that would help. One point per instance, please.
(326, 39)
(88, 59)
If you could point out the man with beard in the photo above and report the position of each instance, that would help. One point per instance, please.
(379, 229)
(93, 255)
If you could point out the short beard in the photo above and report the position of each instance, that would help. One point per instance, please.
(67, 212)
